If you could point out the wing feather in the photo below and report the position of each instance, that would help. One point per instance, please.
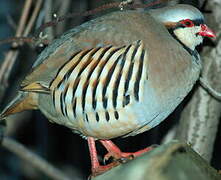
(100, 81)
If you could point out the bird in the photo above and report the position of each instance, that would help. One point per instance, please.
(117, 75)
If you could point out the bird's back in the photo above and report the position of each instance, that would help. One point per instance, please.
(118, 29)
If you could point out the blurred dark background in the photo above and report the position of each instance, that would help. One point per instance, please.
(57, 144)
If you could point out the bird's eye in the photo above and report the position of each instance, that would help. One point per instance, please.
(187, 23)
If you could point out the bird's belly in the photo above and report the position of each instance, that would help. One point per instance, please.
(130, 120)
(120, 122)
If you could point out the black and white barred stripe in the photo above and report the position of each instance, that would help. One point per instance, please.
(100, 80)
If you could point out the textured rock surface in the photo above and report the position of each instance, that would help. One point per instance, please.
(172, 161)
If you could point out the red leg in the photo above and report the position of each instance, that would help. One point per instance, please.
(116, 153)
(96, 168)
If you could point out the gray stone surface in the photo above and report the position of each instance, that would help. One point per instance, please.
(172, 161)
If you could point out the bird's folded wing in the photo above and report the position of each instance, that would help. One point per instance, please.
(97, 78)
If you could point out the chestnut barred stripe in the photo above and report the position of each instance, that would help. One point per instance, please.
(133, 78)
(67, 68)
(106, 83)
(63, 74)
(118, 78)
(101, 68)
(63, 95)
(130, 70)
(73, 99)
(92, 68)
(138, 78)
(99, 80)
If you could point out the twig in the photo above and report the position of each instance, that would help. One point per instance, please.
(6, 66)
(17, 40)
(94, 11)
(21, 40)
(64, 7)
(28, 28)
(33, 159)
(24, 17)
(22, 30)
(11, 56)
(33, 17)
(11, 22)
(48, 17)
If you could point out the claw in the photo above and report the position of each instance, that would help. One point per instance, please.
(96, 168)
(118, 155)
(101, 169)
(126, 159)
(107, 157)
(114, 152)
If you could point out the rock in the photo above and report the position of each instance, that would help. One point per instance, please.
(172, 161)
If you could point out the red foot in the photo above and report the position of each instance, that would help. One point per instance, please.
(117, 154)
(102, 169)
(113, 151)
(96, 168)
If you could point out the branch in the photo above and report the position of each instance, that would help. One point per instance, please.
(22, 40)
(23, 30)
(24, 17)
(48, 17)
(11, 55)
(33, 159)
(33, 17)
(96, 10)
(173, 161)
(64, 8)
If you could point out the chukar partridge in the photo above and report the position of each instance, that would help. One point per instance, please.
(117, 75)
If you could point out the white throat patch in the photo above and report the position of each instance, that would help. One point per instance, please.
(188, 36)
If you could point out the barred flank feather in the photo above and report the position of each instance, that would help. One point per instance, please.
(99, 80)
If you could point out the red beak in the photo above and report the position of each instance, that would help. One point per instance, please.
(205, 31)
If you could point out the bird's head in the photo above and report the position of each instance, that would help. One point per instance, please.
(185, 23)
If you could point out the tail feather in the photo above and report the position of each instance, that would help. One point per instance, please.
(23, 101)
